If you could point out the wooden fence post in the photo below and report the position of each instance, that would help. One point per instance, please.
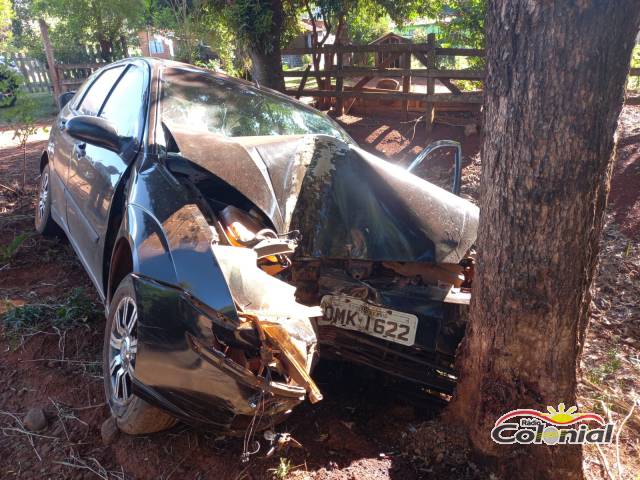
(431, 82)
(339, 85)
(48, 50)
(406, 84)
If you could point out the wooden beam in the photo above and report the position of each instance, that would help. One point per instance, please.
(48, 51)
(396, 72)
(76, 66)
(430, 110)
(363, 81)
(339, 85)
(406, 84)
(303, 81)
(387, 48)
(393, 95)
(450, 85)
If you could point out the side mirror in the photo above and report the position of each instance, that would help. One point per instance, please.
(95, 131)
(64, 98)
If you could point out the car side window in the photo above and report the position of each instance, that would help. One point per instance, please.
(124, 105)
(98, 91)
(77, 98)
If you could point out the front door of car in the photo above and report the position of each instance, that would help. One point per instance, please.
(94, 171)
(60, 148)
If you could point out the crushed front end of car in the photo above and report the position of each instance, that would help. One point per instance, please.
(319, 239)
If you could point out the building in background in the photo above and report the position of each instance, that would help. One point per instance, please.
(156, 44)
(305, 39)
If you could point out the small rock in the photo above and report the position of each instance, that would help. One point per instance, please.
(35, 420)
(109, 431)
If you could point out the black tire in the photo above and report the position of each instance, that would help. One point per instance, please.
(133, 414)
(45, 225)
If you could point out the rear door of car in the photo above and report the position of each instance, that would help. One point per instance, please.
(94, 171)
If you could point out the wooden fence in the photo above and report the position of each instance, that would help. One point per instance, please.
(38, 79)
(72, 75)
(428, 56)
(35, 73)
(331, 85)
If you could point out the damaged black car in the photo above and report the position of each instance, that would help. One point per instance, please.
(236, 236)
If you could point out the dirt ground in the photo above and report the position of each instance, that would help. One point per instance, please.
(367, 427)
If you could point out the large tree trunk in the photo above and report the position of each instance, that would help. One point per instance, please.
(554, 90)
(266, 56)
(266, 68)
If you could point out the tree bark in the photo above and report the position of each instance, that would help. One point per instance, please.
(266, 56)
(554, 89)
(266, 67)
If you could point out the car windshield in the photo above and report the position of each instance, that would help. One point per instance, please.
(211, 104)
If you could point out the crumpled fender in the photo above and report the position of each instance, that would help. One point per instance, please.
(173, 245)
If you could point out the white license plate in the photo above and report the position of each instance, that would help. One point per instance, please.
(353, 314)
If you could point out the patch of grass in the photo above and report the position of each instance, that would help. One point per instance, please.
(44, 107)
(8, 251)
(292, 83)
(76, 310)
(282, 471)
(610, 366)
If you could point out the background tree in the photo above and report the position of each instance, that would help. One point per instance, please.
(554, 90)
(76, 23)
(6, 15)
(261, 26)
(203, 32)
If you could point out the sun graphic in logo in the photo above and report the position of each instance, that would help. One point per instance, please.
(561, 415)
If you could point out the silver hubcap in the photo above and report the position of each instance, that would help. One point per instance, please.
(123, 348)
(44, 195)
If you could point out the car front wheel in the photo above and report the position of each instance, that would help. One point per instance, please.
(133, 414)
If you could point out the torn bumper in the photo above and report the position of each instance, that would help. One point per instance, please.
(188, 363)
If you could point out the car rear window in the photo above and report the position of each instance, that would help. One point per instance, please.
(207, 103)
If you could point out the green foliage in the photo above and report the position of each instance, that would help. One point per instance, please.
(73, 24)
(23, 117)
(611, 365)
(10, 82)
(202, 30)
(76, 310)
(281, 472)
(6, 15)
(461, 22)
(367, 24)
(253, 21)
(8, 251)
(42, 107)
(24, 123)
(25, 36)
(634, 81)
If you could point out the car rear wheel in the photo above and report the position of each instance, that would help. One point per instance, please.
(133, 414)
(45, 225)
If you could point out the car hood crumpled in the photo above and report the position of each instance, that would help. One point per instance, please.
(346, 203)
